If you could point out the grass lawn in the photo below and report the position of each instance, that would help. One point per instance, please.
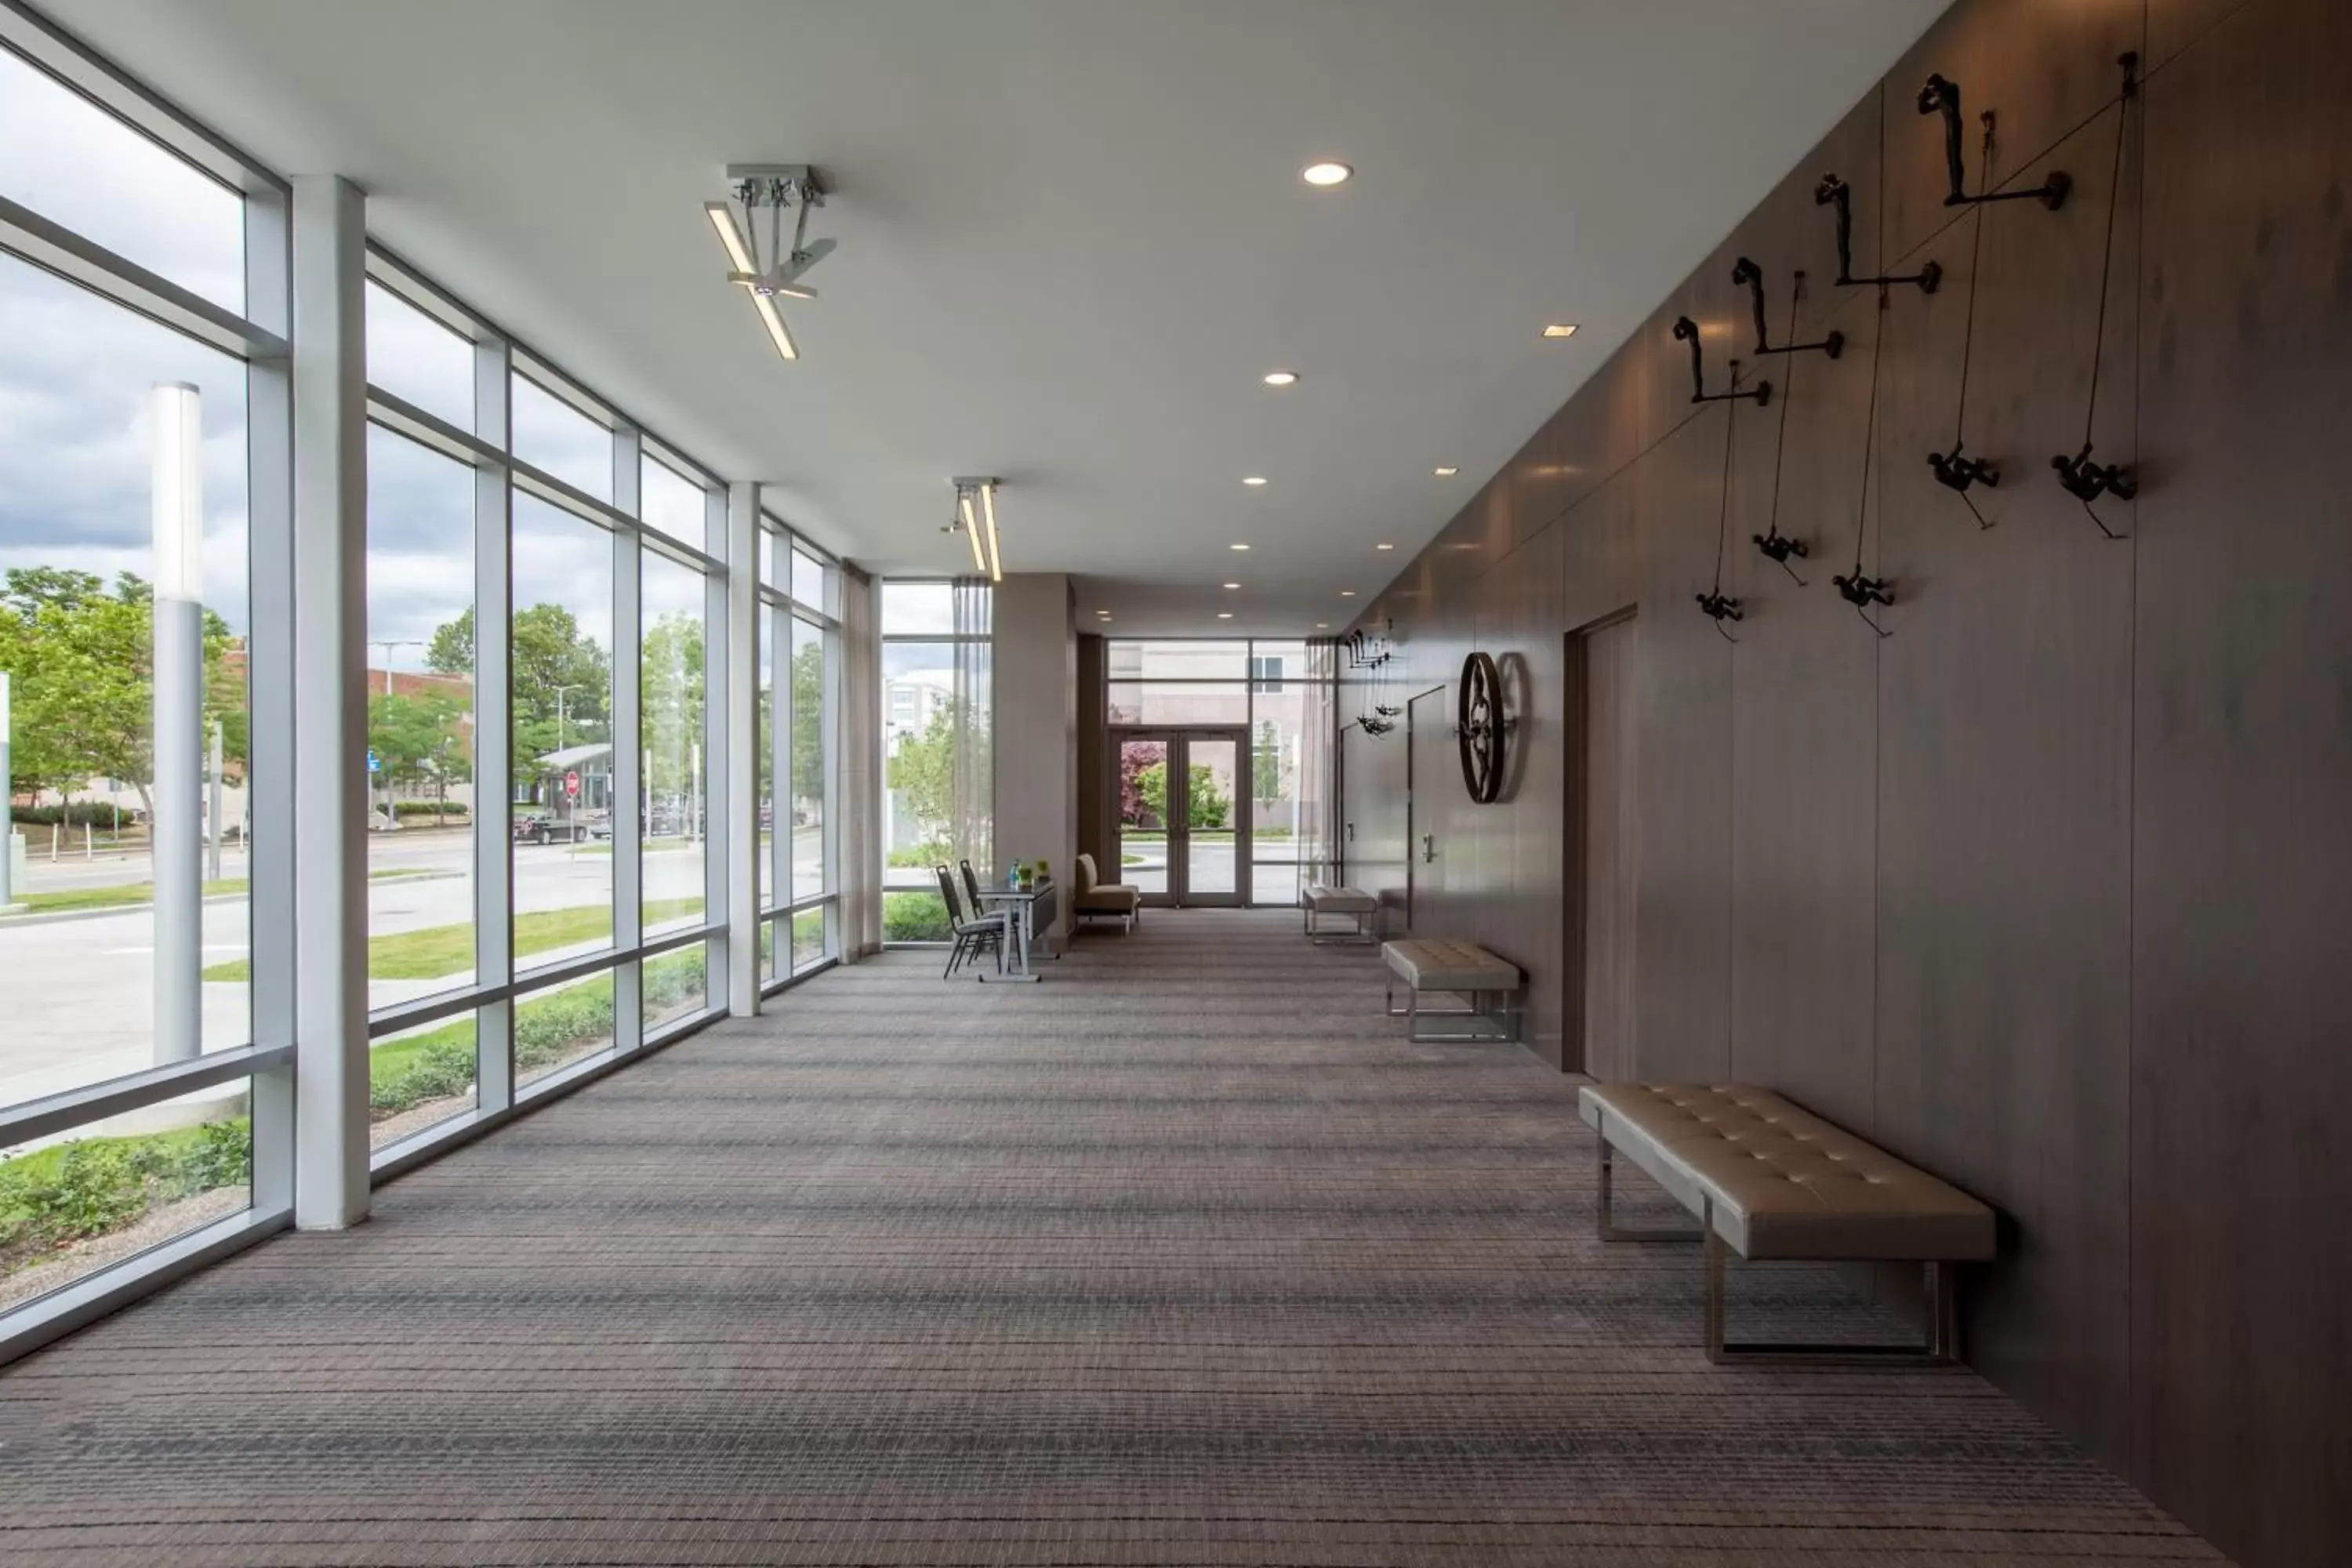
(131, 894)
(436, 950)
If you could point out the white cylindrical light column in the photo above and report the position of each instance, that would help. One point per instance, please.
(176, 833)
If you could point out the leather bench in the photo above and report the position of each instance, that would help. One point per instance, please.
(1322, 898)
(1767, 1179)
(1462, 968)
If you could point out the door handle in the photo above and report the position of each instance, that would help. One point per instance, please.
(1429, 849)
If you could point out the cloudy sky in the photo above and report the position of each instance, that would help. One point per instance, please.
(76, 374)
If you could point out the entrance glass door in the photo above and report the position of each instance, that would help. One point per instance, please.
(1183, 815)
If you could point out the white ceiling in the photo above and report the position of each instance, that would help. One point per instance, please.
(1073, 237)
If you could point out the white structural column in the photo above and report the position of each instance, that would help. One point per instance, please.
(331, 1183)
(1033, 666)
(493, 810)
(626, 728)
(175, 835)
(739, 809)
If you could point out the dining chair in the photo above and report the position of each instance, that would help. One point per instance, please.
(974, 933)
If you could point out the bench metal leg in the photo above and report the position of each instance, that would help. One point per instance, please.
(1501, 1030)
(1610, 1229)
(1939, 1347)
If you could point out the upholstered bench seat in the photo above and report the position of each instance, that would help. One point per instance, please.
(1771, 1180)
(1438, 964)
(1097, 899)
(1323, 899)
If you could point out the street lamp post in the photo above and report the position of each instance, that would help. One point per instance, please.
(176, 839)
(391, 813)
(561, 692)
(7, 800)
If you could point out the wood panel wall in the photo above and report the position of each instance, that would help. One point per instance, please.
(2050, 888)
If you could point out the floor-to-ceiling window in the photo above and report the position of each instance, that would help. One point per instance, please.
(800, 672)
(937, 723)
(539, 603)
(1277, 697)
(549, 826)
(139, 646)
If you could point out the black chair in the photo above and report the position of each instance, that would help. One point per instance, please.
(971, 888)
(974, 934)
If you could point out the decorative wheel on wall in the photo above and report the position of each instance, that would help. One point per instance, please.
(1481, 729)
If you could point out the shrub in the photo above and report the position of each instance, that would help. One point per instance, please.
(429, 810)
(80, 813)
(71, 1192)
(914, 917)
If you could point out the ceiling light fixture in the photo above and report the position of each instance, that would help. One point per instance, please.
(772, 186)
(1224, 615)
(1325, 174)
(1241, 547)
(1346, 593)
(1232, 584)
(1254, 479)
(976, 516)
(1282, 378)
(1446, 473)
(1561, 330)
(1322, 625)
(1384, 547)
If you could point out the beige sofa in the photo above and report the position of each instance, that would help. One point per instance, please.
(1097, 899)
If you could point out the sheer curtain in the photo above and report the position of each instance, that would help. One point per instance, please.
(861, 766)
(974, 786)
(1318, 748)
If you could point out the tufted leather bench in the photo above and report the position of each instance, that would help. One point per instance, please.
(1322, 898)
(1771, 1180)
(1436, 964)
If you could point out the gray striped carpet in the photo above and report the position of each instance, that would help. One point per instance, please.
(1183, 1257)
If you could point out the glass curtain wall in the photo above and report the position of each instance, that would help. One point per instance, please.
(937, 726)
(1284, 694)
(800, 765)
(144, 1076)
(558, 536)
(545, 583)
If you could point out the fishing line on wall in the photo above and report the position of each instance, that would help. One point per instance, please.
(1717, 607)
(1857, 590)
(1774, 546)
(2083, 479)
(1953, 470)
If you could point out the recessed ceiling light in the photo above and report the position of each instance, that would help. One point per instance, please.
(1384, 547)
(1224, 615)
(1254, 479)
(1346, 593)
(1325, 174)
(1241, 547)
(1322, 625)
(1561, 330)
(1446, 473)
(1282, 378)
(1232, 584)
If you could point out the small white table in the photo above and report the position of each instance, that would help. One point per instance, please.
(1030, 907)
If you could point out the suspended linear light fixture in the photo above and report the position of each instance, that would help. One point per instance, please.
(771, 187)
(979, 526)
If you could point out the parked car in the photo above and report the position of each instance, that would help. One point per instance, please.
(543, 828)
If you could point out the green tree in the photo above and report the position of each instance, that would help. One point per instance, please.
(1265, 762)
(808, 723)
(82, 660)
(922, 775)
(1205, 804)
(671, 687)
(563, 681)
(418, 738)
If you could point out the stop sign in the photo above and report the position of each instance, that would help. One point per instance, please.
(572, 784)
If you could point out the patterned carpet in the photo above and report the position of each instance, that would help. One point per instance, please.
(1183, 1257)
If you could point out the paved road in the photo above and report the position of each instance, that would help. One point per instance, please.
(78, 992)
